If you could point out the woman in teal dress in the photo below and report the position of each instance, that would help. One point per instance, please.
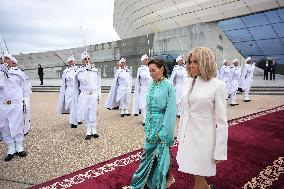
(155, 167)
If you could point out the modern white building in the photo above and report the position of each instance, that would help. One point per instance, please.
(133, 18)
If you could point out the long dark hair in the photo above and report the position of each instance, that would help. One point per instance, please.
(159, 63)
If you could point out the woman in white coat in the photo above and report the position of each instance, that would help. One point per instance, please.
(203, 129)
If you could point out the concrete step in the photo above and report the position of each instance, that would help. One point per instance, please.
(267, 93)
(105, 89)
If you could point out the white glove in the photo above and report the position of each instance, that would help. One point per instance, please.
(27, 102)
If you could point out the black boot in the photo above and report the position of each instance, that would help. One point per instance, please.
(9, 157)
(73, 126)
(88, 137)
(96, 135)
(22, 154)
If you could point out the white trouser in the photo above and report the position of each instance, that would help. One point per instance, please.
(11, 122)
(124, 101)
(87, 108)
(7, 135)
(233, 97)
(91, 128)
(246, 93)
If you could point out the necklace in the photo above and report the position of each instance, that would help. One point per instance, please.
(159, 81)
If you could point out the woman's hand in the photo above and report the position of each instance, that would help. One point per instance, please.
(218, 161)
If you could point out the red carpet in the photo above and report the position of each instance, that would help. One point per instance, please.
(255, 160)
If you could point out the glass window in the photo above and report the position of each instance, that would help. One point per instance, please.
(271, 46)
(248, 48)
(273, 17)
(257, 58)
(231, 24)
(281, 14)
(239, 35)
(262, 32)
(279, 28)
(255, 20)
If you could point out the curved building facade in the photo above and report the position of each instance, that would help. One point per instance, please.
(133, 18)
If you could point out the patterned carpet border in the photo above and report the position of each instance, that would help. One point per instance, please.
(135, 156)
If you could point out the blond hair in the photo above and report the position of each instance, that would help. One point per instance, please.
(206, 62)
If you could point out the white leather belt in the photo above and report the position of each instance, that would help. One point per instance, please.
(8, 102)
(89, 93)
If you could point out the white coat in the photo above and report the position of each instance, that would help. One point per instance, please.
(177, 78)
(66, 90)
(87, 93)
(224, 75)
(143, 80)
(15, 89)
(121, 85)
(203, 128)
(235, 77)
(247, 76)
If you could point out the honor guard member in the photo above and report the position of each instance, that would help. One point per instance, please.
(143, 80)
(87, 95)
(224, 75)
(66, 102)
(27, 110)
(247, 78)
(121, 89)
(235, 76)
(178, 76)
(14, 98)
(3, 74)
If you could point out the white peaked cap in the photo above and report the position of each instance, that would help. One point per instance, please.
(145, 56)
(84, 55)
(225, 60)
(248, 59)
(122, 60)
(14, 60)
(7, 55)
(235, 60)
(179, 58)
(71, 58)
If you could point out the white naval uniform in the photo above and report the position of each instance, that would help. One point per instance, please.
(203, 128)
(13, 100)
(66, 100)
(177, 78)
(246, 79)
(224, 75)
(143, 80)
(88, 90)
(235, 76)
(124, 85)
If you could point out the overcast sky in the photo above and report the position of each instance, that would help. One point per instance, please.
(41, 25)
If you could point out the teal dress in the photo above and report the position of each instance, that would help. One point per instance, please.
(159, 136)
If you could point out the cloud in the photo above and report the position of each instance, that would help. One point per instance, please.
(32, 25)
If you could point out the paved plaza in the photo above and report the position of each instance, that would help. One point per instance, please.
(55, 149)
